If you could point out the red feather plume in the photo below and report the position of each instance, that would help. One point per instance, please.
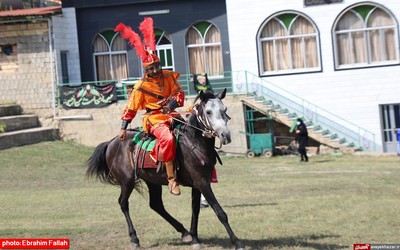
(147, 29)
(134, 39)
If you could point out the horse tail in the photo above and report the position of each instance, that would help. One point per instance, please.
(97, 165)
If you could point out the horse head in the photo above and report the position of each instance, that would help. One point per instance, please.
(212, 112)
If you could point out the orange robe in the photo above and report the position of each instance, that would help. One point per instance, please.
(165, 86)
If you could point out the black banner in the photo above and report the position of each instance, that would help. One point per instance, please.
(88, 96)
(319, 2)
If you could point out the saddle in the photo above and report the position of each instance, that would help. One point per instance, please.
(142, 144)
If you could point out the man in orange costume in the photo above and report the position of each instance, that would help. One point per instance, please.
(159, 93)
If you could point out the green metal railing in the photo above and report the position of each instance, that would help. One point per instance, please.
(244, 82)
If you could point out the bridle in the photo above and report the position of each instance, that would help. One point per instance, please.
(207, 130)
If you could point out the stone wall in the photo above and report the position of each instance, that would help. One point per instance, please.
(26, 73)
(105, 124)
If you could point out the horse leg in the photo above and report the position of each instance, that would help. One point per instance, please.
(195, 218)
(123, 201)
(222, 216)
(156, 203)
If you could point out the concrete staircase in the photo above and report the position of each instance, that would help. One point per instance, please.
(284, 116)
(18, 129)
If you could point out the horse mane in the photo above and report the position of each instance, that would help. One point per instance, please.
(205, 94)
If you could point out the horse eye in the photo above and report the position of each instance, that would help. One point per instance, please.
(208, 112)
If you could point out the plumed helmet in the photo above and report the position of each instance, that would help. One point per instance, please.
(144, 51)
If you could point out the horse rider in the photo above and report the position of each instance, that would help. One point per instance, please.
(159, 93)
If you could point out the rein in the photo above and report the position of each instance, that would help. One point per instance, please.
(208, 132)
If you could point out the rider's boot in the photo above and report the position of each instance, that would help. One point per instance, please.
(173, 185)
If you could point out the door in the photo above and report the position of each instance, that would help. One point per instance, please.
(390, 114)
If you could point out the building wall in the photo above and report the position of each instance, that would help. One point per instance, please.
(27, 79)
(93, 19)
(106, 123)
(65, 35)
(354, 95)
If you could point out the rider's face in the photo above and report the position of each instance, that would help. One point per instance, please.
(153, 70)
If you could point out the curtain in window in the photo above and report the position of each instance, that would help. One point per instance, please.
(351, 45)
(366, 41)
(102, 61)
(274, 51)
(103, 67)
(304, 48)
(111, 64)
(205, 54)
(381, 40)
(119, 61)
(100, 45)
(288, 50)
(213, 53)
(196, 59)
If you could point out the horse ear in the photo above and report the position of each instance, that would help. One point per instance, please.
(201, 96)
(222, 94)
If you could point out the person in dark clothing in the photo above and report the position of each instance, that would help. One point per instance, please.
(200, 82)
(302, 139)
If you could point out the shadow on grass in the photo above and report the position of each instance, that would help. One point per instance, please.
(321, 161)
(301, 241)
(252, 205)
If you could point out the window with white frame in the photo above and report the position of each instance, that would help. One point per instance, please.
(164, 49)
(203, 41)
(288, 43)
(110, 56)
(365, 36)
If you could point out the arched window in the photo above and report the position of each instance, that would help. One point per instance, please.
(288, 43)
(365, 35)
(203, 41)
(110, 56)
(164, 49)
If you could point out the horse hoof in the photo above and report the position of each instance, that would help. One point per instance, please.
(135, 246)
(239, 246)
(196, 246)
(187, 238)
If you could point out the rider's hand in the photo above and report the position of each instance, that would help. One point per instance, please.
(166, 110)
(122, 134)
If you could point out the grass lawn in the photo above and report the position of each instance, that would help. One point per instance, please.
(330, 202)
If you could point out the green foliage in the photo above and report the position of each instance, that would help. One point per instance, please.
(2, 127)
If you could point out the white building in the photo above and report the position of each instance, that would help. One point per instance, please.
(336, 55)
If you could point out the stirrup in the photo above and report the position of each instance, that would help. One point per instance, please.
(173, 187)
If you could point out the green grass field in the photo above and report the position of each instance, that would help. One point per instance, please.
(331, 202)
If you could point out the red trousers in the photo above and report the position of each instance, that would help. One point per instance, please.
(165, 143)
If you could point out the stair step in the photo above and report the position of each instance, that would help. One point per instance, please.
(334, 137)
(292, 116)
(259, 99)
(28, 136)
(284, 111)
(326, 133)
(251, 95)
(351, 145)
(10, 110)
(317, 128)
(19, 122)
(268, 103)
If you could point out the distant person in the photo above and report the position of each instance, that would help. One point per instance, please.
(201, 82)
(302, 139)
